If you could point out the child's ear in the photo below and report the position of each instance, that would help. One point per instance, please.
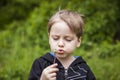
(79, 42)
(49, 37)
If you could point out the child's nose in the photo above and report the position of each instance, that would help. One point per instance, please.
(61, 43)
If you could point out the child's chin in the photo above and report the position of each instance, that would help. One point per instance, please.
(60, 55)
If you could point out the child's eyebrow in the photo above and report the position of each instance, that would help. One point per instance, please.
(55, 36)
(70, 37)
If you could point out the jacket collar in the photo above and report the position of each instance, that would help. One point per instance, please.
(50, 58)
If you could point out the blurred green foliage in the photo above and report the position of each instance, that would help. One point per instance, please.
(23, 35)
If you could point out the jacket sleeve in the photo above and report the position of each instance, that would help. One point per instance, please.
(35, 71)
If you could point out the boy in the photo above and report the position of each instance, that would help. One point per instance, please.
(65, 29)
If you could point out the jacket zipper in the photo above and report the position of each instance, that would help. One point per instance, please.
(66, 73)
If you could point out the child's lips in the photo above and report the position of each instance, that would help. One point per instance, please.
(61, 51)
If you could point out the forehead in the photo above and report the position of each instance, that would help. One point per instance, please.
(60, 27)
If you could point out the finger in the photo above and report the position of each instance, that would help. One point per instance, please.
(53, 75)
(53, 70)
(53, 65)
(54, 78)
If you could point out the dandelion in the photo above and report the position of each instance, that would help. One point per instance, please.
(55, 51)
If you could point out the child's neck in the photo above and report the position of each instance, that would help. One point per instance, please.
(66, 62)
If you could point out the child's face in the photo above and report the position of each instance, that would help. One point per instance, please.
(62, 39)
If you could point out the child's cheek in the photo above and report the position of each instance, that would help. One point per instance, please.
(71, 47)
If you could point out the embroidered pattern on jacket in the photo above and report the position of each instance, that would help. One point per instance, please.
(80, 74)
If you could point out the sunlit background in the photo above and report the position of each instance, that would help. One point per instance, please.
(23, 35)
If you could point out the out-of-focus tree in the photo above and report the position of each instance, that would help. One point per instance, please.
(15, 10)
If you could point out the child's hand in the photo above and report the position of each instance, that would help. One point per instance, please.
(49, 73)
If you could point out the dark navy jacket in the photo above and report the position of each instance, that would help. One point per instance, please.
(78, 70)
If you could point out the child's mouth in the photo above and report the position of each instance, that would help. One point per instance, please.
(60, 51)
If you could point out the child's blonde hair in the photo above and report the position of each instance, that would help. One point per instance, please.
(72, 19)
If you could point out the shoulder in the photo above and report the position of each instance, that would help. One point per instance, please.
(86, 68)
(38, 65)
(82, 63)
(43, 60)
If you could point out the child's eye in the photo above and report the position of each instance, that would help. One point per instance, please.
(67, 39)
(55, 38)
